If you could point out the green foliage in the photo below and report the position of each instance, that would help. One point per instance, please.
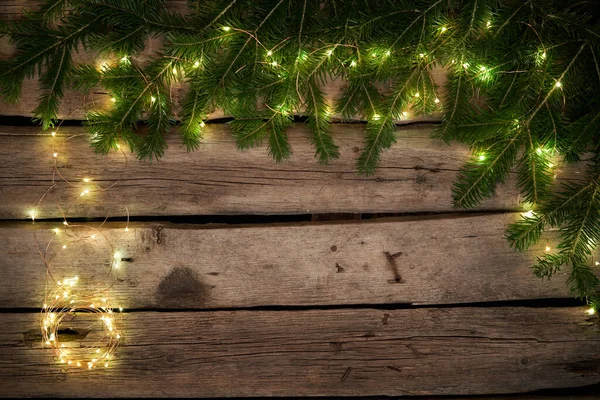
(523, 87)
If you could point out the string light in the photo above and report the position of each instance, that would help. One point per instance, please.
(591, 311)
(443, 29)
(558, 84)
(548, 248)
(353, 63)
(202, 124)
(68, 300)
(68, 307)
(152, 100)
(226, 28)
(436, 100)
(481, 157)
(113, 99)
(196, 64)
(274, 63)
(269, 53)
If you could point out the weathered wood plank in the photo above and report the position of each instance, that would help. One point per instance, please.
(417, 261)
(416, 175)
(320, 352)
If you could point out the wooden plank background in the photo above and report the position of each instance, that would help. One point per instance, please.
(319, 352)
(418, 305)
(416, 175)
(424, 261)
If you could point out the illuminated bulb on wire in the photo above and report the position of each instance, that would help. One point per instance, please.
(274, 63)
(481, 157)
(65, 223)
(56, 230)
(558, 84)
(488, 24)
(64, 246)
(152, 99)
(597, 263)
(591, 311)
(404, 114)
(387, 53)
(269, 53)
(329, 52)
(226, 28)
(53, 134)
(539, 150)
(86, 180)
(376, 117)
(417, 94)
(196, 64)
(544, 55)
(422, 55)
(93, 236)
(126, 229)
(444, 29)
(202, 124)
(466, 65)
(54, 155)
(353, 64)
(113, 99)
(436, 100)
(548, 248)
(124, 59)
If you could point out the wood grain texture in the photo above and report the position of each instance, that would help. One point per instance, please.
(415, 175)
(319, 352)
(416, 261)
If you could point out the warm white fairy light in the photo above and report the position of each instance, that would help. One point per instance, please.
(548, 248)
(274, 63)
(558, 84)
(269, 53)
(481, 157)
(73, 304)
(226, 28)
(591, 311)
(152, 99)
(196, 64)
(353, 63)
(68, 299)
(436, 100)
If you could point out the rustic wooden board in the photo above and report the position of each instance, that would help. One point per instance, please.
(417, 261)
(344, 352)
(416, 175)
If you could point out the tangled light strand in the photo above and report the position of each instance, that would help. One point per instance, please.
(71, 301)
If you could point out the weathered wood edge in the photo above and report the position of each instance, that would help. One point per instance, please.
(459, 351)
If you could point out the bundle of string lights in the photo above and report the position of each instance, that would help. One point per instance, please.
(79, 321)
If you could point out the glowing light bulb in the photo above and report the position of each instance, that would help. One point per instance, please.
(126, 229)
(124, 59)
(558, 84)
(329, 52)
(93, 236)
(482, 68)
(481, 157)
(444, 29)
(353, 64)
(196, 64)
(274, 63)
(404, 114)
(120, 309)
(373, 55)
(421, 55)
(550, 165)
(65, 223)
(417, 94)
(53, 134)
(226, 28)
(466, 65)
(376, 116)
(591, 311)
(436, 100)
(544, 55)
(64, 246)
(269, 53)
(539, 150)
(118, 145)
(387, 53)
(86, 180)
(152, 99)
(56, 230)
(106, 365)
(488, 24)
(597, 263)
(32, 215)
(78, 364)
(118, 336)
(54, 155)
(202, 124)
(113, 99)
(548, 248)
(91, 305)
